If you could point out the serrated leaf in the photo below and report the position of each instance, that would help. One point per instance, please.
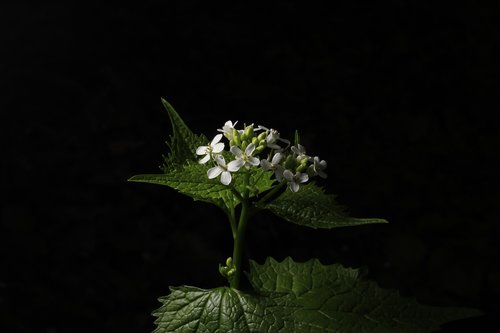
(221, 310)
(336, 299)
(191, 179)
(311, 207)
(183, 142)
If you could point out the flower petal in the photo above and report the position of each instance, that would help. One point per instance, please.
(214, 172)
(204, 159)
(235, 165)
(201, 150)
(302, 177)
(279, 173)
(219, 159)
(249, 149)
(218, 147)
(266, 165)
(253, 161)
(277, 158)
(294, 187)
(216, 139)
(236, 151)
(225, 178)
(288, 175)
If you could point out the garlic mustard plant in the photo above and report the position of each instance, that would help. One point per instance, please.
(247, 169)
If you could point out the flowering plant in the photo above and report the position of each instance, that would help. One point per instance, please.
(260, 170)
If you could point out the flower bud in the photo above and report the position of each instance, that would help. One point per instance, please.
(255, 141)
(231, 272)
(262, 136)
(301, 168)
(223, 270)
(290, 163)
(236, 137)
(229, 262)
(244, 144)
(249, 132)
(260, 147)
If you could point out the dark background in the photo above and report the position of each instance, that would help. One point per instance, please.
(401, 100)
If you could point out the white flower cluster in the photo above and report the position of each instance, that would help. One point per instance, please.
(289, 163)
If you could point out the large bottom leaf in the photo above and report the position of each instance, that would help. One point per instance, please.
(292, 297)
(191, 309)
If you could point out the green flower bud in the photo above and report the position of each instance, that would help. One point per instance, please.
(260, 148)
(236, 137)
(229, 262)
(244, 144)
(290, 163)
(223, 270)
(262, 136)
(301, 168)
(255, 141)
(249, 132)
(231, 272)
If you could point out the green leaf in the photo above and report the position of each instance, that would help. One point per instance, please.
(183, 142)
(336, 299)
(191, 179)
(311, 207)
(221, 310)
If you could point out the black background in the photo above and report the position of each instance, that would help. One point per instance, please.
(401, 99)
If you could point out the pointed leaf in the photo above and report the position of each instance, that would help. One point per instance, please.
(191, 180)
(311, 207)
(183, 142)
(336, 299)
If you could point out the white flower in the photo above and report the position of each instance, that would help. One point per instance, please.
(220, 169)
(295, 180)
(317, 168)
(243, 158)
(300, 152)
(227, 129)
(274, 166)
(272, 136)
(214, 147)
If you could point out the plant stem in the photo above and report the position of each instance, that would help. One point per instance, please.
(232, 221)
(270, 193)
(240, 236)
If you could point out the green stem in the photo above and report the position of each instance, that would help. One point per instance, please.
(270, 193)
(232, 221)
(236, 193)
(240, 236)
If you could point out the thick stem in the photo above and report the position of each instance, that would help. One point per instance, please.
(239, 240)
